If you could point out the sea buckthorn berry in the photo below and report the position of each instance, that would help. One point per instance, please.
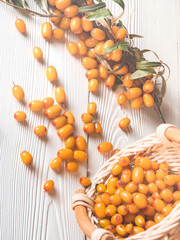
(110, 81)
(124, 123)
(158, 205)
(81, 143)
(37, 52)
(150, 176)
(150, 200)
(121, 99)
(119, 190)
(98, 34)
(46, 30)
(103, 71)
(60, 95)
(107, 56)
(73, 48)
(142, 188)
(154, 165)
(92, 73)
(129, 218)
(176, 195)
(91, 54)
(105, 147)
(137, 103)
(99, 209)
(79, 156)
(148, 100)
(121, 34)
(65, 154)
(20, 25)
(116, 169)
(97, 128)
(133, 93)
(131, 187)
(148, 86)
(177, 177)
(122, 71)
(116, 219)
(137, 175)
(167, 195)
(56, 163)
(75, 25)
(116, 151)
(115, 199)
(110, 210)
(51, 74)
(139, 221)
(65, 23)
(166, 210)
(57, 33)
(156, 195)
(69, 142)
(88, 128)
(101, 188)
(40, 131)
(52, 2)
(152, 187)
(110, 228)
(161, 173)
(48, 186)
(120, 184)
(53, 111)
(65, 131)
(86, 24)
(158, 217)
(89, 63)
(93, 85)
(105, 198)
(104, 222)
(59, 121)
(124, 161)
(122, 210)
(143, 162)
(48, 102)
(54, 19)
(115, 29)
(137, 230)
(20, 116)
(127, 82)
(91, 108)
(18, 92)
(140, 200)
(170, 180)
(112, 182)
(83, 36)
(36, 105)
(132, 208)
(160, 184)
(126, 197)
(86, 118)
(70, 117)
(62, 4)
(108, 44)
(149, 224)
(125, 178)
(71, 11)
(99, 48)
(91, 42)
(129, 228)
(121, 230)
(82, 49)
(116, 55)
(26, 157)
(148, 211)
(72, 167)
(85, 181)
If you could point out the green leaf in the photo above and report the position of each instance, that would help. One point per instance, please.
(119, 45)
(101, 13)
(146, 64)
(141, 73)
(120, 2)
(119, 68)
(135, 36)
(91, 8)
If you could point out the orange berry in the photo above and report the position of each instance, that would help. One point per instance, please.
(166, 210)
(53, 111)
(72, 167)
(116, 219)
(112, 182)
(115, 29)
(91, 108)
(137, 103)
(122, 71)
(104, 222)
(121, 34)
(148, 100)
(48, 186)
(81, 143)
(140, 200)
(124, 123)
(167, 195)
(132, 208)
(91, 54)
(121, 99)
(92, 73)
(105, 198)
(99, 209)
(69, 142)
(37, 52)
(139, 221)
(56, 20)
(148, 211)
(142, 188)
(48, 102)
(131, 187)
(110, 228)
(122, 210)
(91, 42)
(93, 85)
(36, 105)
(46, 30)
(57, 33)
(133, 93)
(86, 118)
(85, 181)
(116, 169)
(161, 173)
(148, 86)
(110, 80)
(108, 44)
(59, 121)
(89, 63)
(124, 161)
(149, 224)
(20, 116)
(18, 92)
(100, 188)
(79, 156)
(70, 117)
(60, 95)
(127, 82)
(103, 72)
(40, 131)
(158, 205)
(154, 165)
(83, 36)
(170, 180)
(152, 187)
(176, 195)
(65, 23)
(116, 55)
(88, 128)
(51, 73)
(99, 48)
(20, 25)
(62, 4)
(75, 25)
(158, 218)
(65, 131)
(65, 154)
(150, 176)
(105, 147)
(98, 34)
(82, 49)
(128, 218)
(160, 184)
(121, 230)
(56, 163)
(26, 157)
(115, 199)
(71, 11)
(129, 228)
(110, 210)
(73, 48)
(126, 197)
(52, 2)
(86, 24)
(97, 128)
(116, 151)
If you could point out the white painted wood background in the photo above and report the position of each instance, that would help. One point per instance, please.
(27, 213)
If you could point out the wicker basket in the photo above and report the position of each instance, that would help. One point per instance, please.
(164, 145)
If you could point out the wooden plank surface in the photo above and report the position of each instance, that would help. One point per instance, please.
(26, 211)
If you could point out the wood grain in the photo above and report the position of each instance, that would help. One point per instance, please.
(26, 211)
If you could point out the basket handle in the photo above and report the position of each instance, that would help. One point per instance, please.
(84, 222)
(173, 134)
